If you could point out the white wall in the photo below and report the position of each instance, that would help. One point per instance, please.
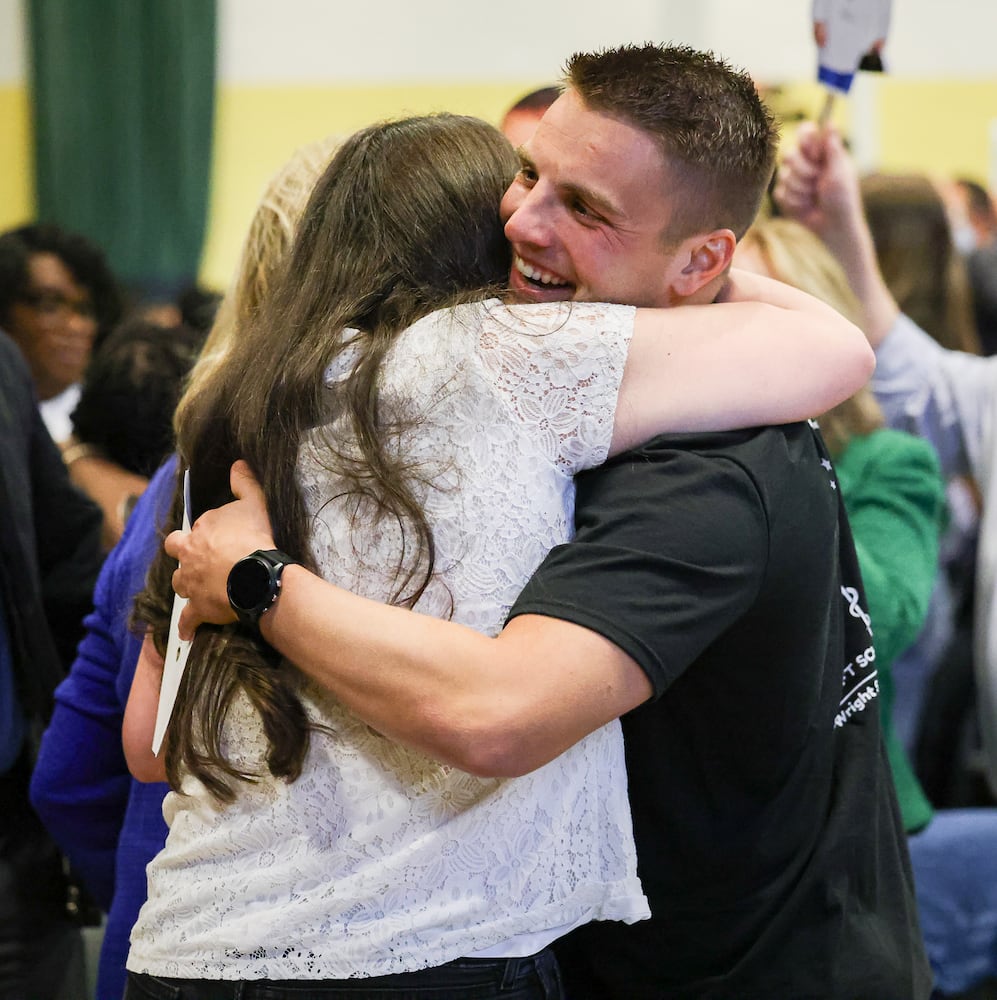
(480, 39)
(394, 40)
(772, 38)
(391, 40)
(12, 56)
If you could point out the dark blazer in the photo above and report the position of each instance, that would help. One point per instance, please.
(50, 555)
(50, 551)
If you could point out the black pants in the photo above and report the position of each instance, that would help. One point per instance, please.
(41, 950)
(533, 978)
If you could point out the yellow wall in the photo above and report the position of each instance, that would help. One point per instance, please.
(16, 188)
(939, 126)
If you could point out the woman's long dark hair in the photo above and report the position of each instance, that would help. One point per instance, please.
(404, 221)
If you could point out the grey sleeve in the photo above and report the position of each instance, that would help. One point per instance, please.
(946, 397)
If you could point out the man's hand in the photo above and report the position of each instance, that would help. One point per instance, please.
(218, 539)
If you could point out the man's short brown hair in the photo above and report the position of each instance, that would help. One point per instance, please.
(718, 138)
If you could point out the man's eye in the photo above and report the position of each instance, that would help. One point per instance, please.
(580, 208)
(528, 175)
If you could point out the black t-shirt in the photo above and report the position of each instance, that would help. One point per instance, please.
(768, 837)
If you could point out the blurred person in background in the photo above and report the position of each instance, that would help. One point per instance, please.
(913, 246)
(916, 252)
(520, 121)
(917, 256)
(947, 396)
(123, 421)
(894, 494)
(975, 231)
(130, 391)
(58, 299)
(49, 559)
(116, 484)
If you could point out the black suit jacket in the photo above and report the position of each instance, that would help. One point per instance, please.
(50, 549)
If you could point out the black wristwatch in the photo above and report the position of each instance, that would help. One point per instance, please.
(254, 584)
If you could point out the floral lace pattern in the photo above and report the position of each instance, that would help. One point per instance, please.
(377, 859)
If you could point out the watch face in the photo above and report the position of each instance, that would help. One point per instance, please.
(250, 584)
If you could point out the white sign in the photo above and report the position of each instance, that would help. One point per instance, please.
(177, 649)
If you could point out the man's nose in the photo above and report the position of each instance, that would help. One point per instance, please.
(530, 220)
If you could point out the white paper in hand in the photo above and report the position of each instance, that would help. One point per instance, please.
(177, 649)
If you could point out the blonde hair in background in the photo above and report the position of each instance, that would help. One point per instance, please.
(793, 254)
(264, 255)
(264, 252)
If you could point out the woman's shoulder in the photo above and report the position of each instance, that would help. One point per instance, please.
(558, 331)
(559, 315)
(493, 315)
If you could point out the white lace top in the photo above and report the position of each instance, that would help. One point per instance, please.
(377, 859)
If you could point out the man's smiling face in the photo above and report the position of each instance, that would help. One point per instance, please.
(587, 213)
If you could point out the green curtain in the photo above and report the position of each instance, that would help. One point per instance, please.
(123, 95)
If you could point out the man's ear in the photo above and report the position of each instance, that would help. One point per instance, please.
(710, 256)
